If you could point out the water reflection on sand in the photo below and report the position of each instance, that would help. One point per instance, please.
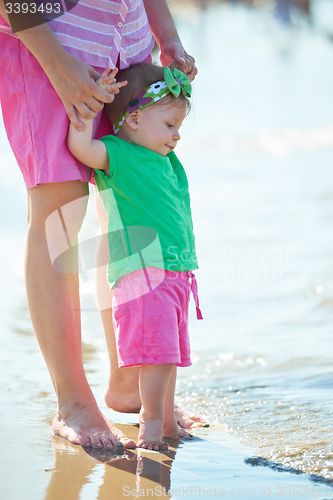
(76, 476)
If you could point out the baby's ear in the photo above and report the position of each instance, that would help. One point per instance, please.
(132, 120)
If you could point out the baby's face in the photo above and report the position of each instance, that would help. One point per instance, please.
(158, 127)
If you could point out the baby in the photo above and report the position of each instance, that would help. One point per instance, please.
(144, 190)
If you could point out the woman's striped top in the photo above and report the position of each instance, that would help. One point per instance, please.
(99, 32)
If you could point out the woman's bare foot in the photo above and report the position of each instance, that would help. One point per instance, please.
(124, 402)
(87, 426)
(150, 433)
(122, 393)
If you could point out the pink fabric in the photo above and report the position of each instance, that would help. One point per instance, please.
(194, 289)
(153, 328)
(99, 31)
(35, 119)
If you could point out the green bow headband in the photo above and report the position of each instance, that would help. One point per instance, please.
(175, 82)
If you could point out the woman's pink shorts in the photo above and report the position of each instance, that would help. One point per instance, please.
(35, 119)
(152, 328)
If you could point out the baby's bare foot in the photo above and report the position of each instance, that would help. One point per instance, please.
(177, 434)
(87, 426)
(172, 430)
(150, 433)
(125, 398)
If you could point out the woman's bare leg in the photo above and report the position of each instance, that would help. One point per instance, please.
(53, 300)
(122, 393)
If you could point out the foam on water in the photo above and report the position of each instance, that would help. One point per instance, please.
(284, 414)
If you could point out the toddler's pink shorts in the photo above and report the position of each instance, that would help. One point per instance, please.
(35, 119)
(152, 328)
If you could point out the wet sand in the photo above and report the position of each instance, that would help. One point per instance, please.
(36, 465)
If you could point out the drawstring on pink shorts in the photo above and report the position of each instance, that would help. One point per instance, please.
(194, 289)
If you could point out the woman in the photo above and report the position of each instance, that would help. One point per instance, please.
(53, 63)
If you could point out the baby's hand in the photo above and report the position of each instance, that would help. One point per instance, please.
(109, 83)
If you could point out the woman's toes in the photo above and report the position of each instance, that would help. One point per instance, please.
(96, 442)
(127, 443)
(106, 443)
(83, 441)
(119, 440)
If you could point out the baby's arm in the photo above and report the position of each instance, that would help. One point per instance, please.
(87, 150)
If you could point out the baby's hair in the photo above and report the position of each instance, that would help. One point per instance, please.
(140, 76)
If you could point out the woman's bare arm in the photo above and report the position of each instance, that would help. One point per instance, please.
(165, 33)
(73, 80)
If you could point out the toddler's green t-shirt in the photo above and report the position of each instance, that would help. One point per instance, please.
(147, 201)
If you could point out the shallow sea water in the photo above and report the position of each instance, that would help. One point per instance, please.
(258, 149)
(262, 190)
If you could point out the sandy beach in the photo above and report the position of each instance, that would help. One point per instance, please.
(36, 465)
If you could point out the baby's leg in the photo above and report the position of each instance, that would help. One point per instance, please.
(170, 426)
(153, 381)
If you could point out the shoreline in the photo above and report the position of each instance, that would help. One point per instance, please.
(37, 465)
(41, 466)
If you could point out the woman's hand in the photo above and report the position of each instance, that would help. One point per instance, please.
(76, 84)
(172, 54)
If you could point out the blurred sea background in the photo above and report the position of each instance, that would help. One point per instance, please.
(258, 150)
